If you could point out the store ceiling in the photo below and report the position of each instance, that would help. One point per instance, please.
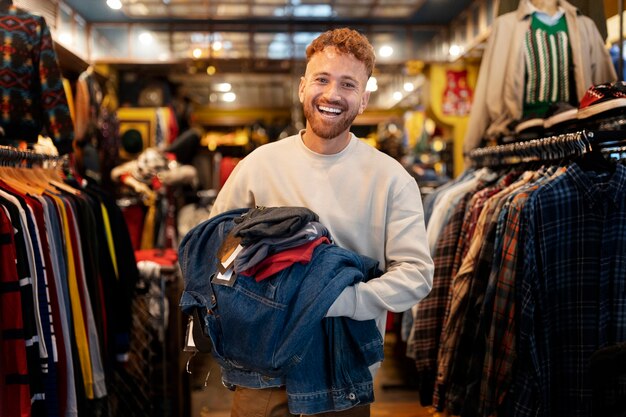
(268, 37)
(396, 12)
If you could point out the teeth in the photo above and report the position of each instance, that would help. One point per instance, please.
(330, 109)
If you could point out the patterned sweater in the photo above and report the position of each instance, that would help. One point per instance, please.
(548, 57)
(33, 99)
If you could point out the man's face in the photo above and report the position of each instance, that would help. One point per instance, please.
(332, 92)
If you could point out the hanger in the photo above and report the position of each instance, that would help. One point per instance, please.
(12, 177)
(11, 158)
(593, 159)
(30, 180)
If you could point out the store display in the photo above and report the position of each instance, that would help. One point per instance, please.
(505, 260)
(502, 90)
(75, 292)
(113, 162)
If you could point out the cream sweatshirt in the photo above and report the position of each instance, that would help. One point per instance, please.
(366, 199)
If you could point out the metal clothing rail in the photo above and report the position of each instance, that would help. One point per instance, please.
(13, 156)
(550, 148)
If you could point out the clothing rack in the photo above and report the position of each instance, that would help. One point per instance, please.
(14, 156)
(549, 148)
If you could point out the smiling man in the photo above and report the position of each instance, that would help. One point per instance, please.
(366, 199)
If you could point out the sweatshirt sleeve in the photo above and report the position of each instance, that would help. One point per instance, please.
(409, 268)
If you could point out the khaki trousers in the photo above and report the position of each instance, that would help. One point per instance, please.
(272, 402)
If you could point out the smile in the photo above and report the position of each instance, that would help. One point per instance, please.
(331, 110)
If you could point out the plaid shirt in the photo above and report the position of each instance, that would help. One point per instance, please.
(475, 220)
(570, 289)
(492, 368)
(467, 346)
(429, 314)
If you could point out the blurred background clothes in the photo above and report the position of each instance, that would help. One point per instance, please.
(32, 90)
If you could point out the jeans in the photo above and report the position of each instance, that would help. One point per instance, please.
(272, 402)
(273, 332)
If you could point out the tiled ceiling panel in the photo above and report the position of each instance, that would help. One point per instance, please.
(410, 12)
(203, 9)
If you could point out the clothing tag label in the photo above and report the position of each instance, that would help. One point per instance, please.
(227, 247)
(228, 262)
(228, 251)
(226, 278)
(190, 345)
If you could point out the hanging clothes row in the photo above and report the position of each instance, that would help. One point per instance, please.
(68, 271)
(529, 249)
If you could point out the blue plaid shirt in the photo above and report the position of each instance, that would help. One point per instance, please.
(571, 290)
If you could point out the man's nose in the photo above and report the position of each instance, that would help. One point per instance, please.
(331, 92)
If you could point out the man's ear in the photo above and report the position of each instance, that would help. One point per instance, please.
(365, 98)
(301, 89)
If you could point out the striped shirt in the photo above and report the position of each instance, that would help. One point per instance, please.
(14, 369)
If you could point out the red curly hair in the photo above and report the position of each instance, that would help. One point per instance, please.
(347, 41)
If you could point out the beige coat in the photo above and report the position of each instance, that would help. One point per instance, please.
(498, 98)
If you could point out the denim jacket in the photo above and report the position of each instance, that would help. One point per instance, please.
(274, 332)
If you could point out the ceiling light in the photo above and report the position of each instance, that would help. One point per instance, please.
(217, 45)
(197, 53)
(114, 4)
(385, 51)
(146, 38)
(397, 96)
(455, 50)
(408, 87)
(372, 84)
(229, 97)
(312, 10)
(223, 87)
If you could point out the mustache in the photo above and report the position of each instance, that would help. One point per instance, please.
(338, 104)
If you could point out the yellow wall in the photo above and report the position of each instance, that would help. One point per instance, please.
(610, 8)
(437, 80)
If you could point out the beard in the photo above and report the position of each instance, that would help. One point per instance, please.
(328, 129)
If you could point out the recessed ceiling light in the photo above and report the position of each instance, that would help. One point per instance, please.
(385, 51)
(145, 38)
(455, 50)
(114, 4)
(223, 87)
